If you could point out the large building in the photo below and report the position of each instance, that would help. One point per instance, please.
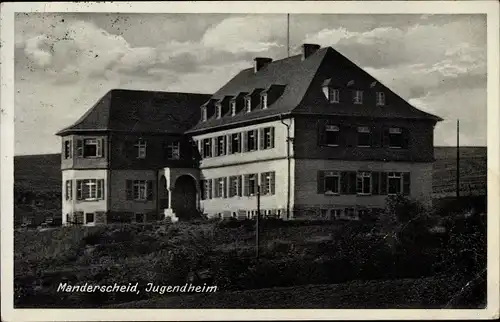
(313, 134)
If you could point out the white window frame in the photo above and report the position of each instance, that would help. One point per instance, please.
(253, 177)
(255, 135)
(333, 95)
(174, 149)
(380, 98)
(233, 108)
(91, 141)
(394, 175)
(263, 101)
(331, 128)
(204, 113)
(221, 145)
(93, 218)
(363, 175)
(140, 190)
(332, 174)
(268, 138)
(69, 190)
(234, 183)
(207, 144)
(248, 104)
(364, 129)
(238, 139)
(141, 146)
(392, 131)
(92, 189)
(218, 109)
(268, 183)
(220, 187)
(358, 97)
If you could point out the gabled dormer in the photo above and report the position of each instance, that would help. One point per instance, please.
(208, 109)
(331, 90)
(237, 103)
(222, 107)
(271, 95)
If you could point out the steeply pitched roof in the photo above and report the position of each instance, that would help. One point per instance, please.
(303, 80)
(141, 111)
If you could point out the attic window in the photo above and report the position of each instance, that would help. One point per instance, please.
(233, 108)
(248, 104)
(333, 95)
(203, 113)
(380, 98)
(263, 101)
(218, 108)
(358, 97)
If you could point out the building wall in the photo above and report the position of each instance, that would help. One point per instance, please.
(73, 205)
(276, 201)
(306, 178)
(420, 140)
(118, 193)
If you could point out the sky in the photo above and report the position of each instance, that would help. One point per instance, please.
(65, 62)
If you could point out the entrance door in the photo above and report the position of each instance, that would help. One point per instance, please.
(184, 198)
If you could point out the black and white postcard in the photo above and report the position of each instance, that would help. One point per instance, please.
(194, 160)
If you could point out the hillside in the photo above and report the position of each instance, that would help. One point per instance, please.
(38, 172)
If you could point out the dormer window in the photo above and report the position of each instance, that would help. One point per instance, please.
(333, 95)
(248, 104)
(358, 97)
(141, 146)
(233, 108)
(380, 98)
(203, 113)
(218, 110)
(263, 101)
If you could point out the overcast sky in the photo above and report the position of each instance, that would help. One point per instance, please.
(65, 62)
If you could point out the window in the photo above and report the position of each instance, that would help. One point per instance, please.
(207, 189)
(349, 213)
(333, 95)
(173, 150)
(90, 189)
(233, 108)
(364, 136)
(380, 98)
(394, 183)
(335, 213)
(89, 148)
(220, 187)
(263, 101)
(141, 149)
(235, 146)
(140, 190)
(248, 104)
(332, 135)
(363, 185)
(207, 148)
(267, 138)
(332, 182)
(358, 97)
(218, 108)
(252, 140)
(235, 186)
(89, 218)
(67, 149)
(268, 183)
(203, 113)
(221, 145)
(395, 138)
(251, 184)
(140, 218)
(69, 189)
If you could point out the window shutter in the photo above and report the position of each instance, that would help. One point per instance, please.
(406, 183)
(150, 190)
(229, 140)
(262, 181)
(240, 187)
(210, 188)
(244, 143)
(273, 182)
(383, 183)
(352, 182)
(246, 191)
(375, 183)
(215, 146)
(70, 148)
(262, 139)
(225, 144)
(405, 139)
(79, 190)
(321, 132)
(79, 217)
(225, 187)
(100, 143)
(100, 189)
(344, 183)
(272, 137)
(202, 189)
(130, 190)
(79, 148)
(321, 182)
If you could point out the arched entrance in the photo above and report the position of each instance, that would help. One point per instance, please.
(184, 196)
(163, 193)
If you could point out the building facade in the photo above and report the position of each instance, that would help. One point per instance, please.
(313, 134)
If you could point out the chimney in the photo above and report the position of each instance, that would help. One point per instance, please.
(260, 62)
(309, 49)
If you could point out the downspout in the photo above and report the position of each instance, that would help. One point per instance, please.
(288, 140)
